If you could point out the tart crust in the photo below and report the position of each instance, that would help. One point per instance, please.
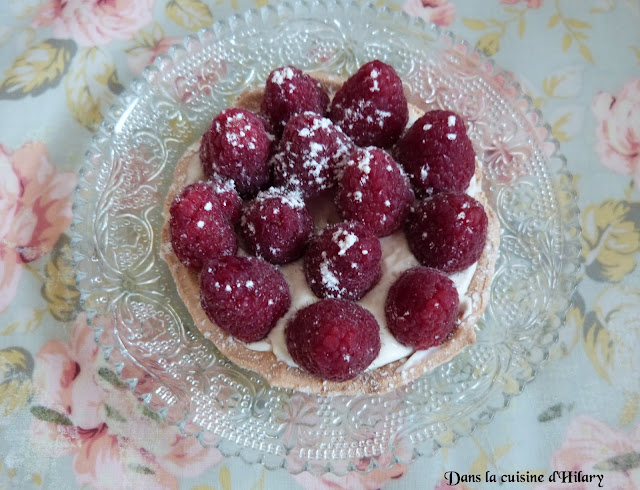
(280, 374)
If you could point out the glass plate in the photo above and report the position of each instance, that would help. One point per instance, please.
(149, 338)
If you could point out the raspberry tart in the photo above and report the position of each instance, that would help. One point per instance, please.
(362, 255)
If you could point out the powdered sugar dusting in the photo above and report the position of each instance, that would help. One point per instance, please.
(329, 279)
(365, 163)
(293, 199)
(282, 74)
(315, 149)
(311, 152)
(289, 197)
(363, 111)
(345, 240)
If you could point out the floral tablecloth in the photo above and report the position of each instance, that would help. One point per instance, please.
(68, 422)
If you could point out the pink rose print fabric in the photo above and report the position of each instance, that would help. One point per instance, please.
(94, 22)
(591, 446)
(618, 129)
(102, 426)
(532, 4)
(35, 209)
(373, 480)
(440, 12)
(444, 485)
(138, 58)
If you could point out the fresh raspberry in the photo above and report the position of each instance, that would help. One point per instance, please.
(230, 201)
(244, 296)
(374, 190)
(311, 152)
(343, 261)
(333, 339)
(276, 225)
(200, 230)
(288, 92)
(437, 153)
(237, 146)
(371, 107)
(447, 231)
(422, 308)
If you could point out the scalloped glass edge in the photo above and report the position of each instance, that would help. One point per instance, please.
(556, 163)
